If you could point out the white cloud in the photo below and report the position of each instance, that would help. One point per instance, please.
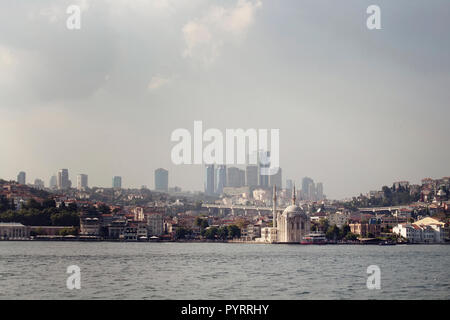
(206, 35)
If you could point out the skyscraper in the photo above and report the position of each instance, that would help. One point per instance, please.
(307, 188)
(251, 175)
(39, 184)
(319, 191)
(21, 178)
(263, 176)
(221, 178)
(53, 182)
(117, 182)
(276, 179)
(82, 181)
(235, 177)
(63, 182)
(161, 180)
(289, 186)
(209, 179)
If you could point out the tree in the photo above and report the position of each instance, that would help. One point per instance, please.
(332, 233)
(234, 231)
(72, 207)
(222, 233)
(33, 204)
(351, 236)
(49, 203)
(344, 231)
(211, 233)
(323, 223)
(104, 209)
(181, 233)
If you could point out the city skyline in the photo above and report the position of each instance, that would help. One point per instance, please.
(356, 108)
(161, 177)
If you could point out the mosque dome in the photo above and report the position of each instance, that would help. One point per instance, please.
(293, 210)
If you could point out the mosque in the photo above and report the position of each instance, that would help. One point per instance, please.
(288, 227)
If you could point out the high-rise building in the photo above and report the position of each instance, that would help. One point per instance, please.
(53, 182)
(263, 168)
(276, 179)
(63, 182)
(221, 178)
(251, 175)
(82, 181)
(22, 178)
(289, 186)
(307, 188)
(312, 192)
(209, 179)
(39, 184)
(235, 177)
(161, 180)
(319, 191)
(117, 182)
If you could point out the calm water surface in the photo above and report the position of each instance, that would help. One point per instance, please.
(37, 270)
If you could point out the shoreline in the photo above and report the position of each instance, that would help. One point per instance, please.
(376, 243)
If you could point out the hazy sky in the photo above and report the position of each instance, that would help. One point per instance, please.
(356, 108)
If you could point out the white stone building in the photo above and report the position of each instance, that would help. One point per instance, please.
(288, 227)
(427, 230)
(338, 218)
(13, 231)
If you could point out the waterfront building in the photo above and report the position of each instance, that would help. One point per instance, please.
(161, 180)
(155, 224)
(90, 225)
(21, 178)
(13, 231)
(82, 181)
(117, 182)
(116, 229)
(365, 229)
(288, 227)
(427, 230)
(251, 232)
(338, 218)
(130, 233)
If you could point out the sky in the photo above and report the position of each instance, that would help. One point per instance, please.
(356, 108)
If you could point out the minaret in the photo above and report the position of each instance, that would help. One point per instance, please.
(293, 197)
(274, 206)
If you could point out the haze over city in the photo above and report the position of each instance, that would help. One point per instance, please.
(356, 109)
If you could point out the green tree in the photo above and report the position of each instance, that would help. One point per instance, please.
(222, 233)
(234, 231)
(211, 233)
(333, 233)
